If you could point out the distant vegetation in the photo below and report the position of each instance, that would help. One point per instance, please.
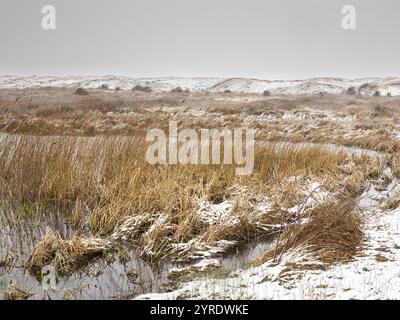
(82, 92)
(351, 91)
(177, 90)
(139, 87)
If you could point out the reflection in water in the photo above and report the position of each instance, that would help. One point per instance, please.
(246, 254)
(100, 280)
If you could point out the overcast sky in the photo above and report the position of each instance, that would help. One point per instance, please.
(269, 39)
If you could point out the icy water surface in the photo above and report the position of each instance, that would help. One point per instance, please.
(100, 280)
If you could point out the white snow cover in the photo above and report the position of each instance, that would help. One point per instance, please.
(364, 278)
(221, 213)
(368, 277)
(365, 86)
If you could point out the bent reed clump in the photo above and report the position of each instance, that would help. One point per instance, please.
(103, 185)
(332, 232)
(65, 256)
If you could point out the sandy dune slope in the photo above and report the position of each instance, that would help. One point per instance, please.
(365, 86)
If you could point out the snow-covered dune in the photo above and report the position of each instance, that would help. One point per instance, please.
(365, 86)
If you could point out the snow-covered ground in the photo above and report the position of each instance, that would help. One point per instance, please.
(374, 274)
(365, 86)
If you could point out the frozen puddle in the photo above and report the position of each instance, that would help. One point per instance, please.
(245, 255)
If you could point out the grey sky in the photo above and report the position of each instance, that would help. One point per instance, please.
(269, 39)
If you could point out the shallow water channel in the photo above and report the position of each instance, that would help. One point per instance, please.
(102, 279)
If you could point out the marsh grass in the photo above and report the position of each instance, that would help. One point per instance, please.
(103, 185)
(347, 120)
(395, 164)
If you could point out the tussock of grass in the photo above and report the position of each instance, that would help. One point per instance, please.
(65, 256)
(332, 232)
